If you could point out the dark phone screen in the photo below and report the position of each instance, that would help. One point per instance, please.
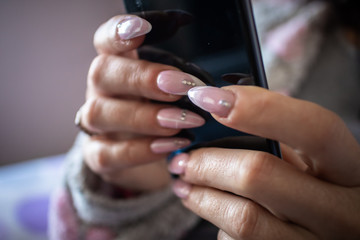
(213, 39)
(213, 35)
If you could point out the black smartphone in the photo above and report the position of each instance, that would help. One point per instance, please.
(217, 42)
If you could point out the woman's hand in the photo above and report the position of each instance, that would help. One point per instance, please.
(131, 135)
(313, 193)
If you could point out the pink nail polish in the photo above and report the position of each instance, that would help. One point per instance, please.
(212, 99)
(132, 27)
(178, 163)
(179, 118)
(166, 145)
(176, 82)
(181, 189)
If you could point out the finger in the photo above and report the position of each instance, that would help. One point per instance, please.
(105, 156)
(114, 75)
(149, 177)
(121, 34)
(107, 115)
(274, 184)
(304, 126)
(240, 218)
(126, 163)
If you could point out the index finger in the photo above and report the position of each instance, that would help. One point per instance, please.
(333, 153)
(121, 34)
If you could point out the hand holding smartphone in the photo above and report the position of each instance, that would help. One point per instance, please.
(214, 41)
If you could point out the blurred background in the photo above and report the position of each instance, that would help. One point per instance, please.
(45, 51)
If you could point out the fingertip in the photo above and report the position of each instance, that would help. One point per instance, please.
(131, 27)
(181, 189)
(121, 34)
(212, 99)
(178, 164)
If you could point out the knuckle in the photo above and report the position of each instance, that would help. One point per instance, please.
(96, 69)
(245, 220)
(255, 168)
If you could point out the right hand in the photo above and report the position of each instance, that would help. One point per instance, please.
(132, 134)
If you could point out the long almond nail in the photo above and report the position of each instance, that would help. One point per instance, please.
(212, 99)
(166, 145)
(132, 27)
(176, 82)
(179, 118)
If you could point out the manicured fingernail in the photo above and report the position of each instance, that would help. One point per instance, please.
(165, 145)
(178, 164)
(181, 188)
(131, 27)
(176, 82)
(212, 99)
(179, 118)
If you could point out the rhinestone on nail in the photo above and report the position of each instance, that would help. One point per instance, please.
(225, 103)
(183, 115)
(188, 83)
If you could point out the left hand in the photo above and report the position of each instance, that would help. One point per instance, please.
(132, 131)
(313, 193)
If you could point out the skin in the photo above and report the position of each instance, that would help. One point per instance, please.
(313, 193)
(116, 106)
(316, 188)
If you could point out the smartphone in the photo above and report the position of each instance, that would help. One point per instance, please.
(217, 42)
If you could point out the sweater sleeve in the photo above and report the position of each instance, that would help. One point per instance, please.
(77, 212)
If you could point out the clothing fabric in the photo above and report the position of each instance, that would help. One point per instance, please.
(300, 59)
(80, 213)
